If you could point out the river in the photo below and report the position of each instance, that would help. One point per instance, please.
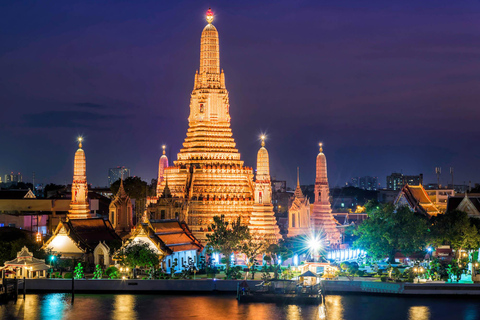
(212, 307)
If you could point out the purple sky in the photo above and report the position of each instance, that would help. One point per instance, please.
(385, 87)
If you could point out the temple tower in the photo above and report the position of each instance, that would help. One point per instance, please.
(79, 207)
(208, 173)
(299, 212)
(263, 221)
(321, 216)
(162, 165)
(121, 212)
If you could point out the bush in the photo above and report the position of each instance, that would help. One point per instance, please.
(68, 275)
(383, 279)
(112, 273)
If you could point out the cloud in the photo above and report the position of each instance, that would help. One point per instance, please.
(66, 119)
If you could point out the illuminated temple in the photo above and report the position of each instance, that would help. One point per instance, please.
(209, 178)
(321, 213)
(79, 207)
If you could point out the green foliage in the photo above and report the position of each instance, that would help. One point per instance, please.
(456, 269)
(388, 230)
(226, 237)
(454, 228)
(79, 271)
(233, 273)
(265, 273)
(13, 240)
(252, 247)
(112, 273)
(138, 255)
(67, 275)
(276, 253)
(98, 273)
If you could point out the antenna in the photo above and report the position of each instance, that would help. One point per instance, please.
(438, 172)
(451, 172)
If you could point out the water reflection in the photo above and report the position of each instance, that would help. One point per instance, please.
(54, 306)
(293, 312)
(334, 307)
(124, 307)
(419, 313)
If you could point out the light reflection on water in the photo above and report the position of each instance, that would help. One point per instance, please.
(214, 307)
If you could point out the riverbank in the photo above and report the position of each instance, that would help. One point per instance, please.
(133, 286)
(385, 288)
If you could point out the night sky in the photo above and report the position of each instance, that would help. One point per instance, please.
(386, 87)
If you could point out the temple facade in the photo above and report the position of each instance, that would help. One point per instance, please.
(79, 206)
(299, 213)
(121, 212)
(262, 221)
(321, 215)
(209, 173)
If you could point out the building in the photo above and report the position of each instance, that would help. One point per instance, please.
(365, 183)
(172, 240)
(209, 173)
(439, 197)
(25, 265)
(469, 203)
(79, 206)
(396, 181)
(416, 198)
(115, 174)
(321, 213)
(262, 220)
(86, 239)
(167, 206)
(279, 185)
(121, 212)
(299, 213)
(13, 178)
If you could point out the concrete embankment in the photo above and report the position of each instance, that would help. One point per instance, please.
(137, 286)
(370, 287)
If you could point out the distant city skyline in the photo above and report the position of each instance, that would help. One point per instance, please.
(385, 87)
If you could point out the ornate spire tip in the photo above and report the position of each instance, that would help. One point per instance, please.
(263, 140)
(79, 139)
(209, 15)
(163, 147)
(321, 146)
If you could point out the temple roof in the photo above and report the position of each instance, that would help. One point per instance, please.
(454, 202)
(25, 258)
(146, 229)
(87, 233)
(417, 199)
(176, 235)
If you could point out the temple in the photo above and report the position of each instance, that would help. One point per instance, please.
(321, 216)
(298, 213)
(79, 206)
(121, 212)
(162, 165)
(262, 221)
(209, 175)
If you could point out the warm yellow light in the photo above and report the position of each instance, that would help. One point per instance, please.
(123, 278)
(127, 269)
(80, 139)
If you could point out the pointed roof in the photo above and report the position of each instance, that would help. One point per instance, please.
(263, 163)
(308, 274)
(121, 196)
(298, 191)
(176, 235)
(146, 230)
(417, 199)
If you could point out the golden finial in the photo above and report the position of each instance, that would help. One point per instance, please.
(321, 147)
(80, 139)
(163, 147)
(263, 140)
(209, 15)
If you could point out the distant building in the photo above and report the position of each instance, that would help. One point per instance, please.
(396, 181)
(13, 177)
(279, 185)
(469, 203)
(365, 183)
(117, 173)
(417, 199)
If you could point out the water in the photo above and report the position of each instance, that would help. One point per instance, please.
(130, 307)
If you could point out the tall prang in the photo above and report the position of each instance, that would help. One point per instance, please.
(263, 221)
(162, 165)
(79, 206)
(321, 216)
(208, 173)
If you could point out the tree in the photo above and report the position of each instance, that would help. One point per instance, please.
(138, 254)
(388, 230)
(253, 246)
(79, 271)
(226, 237)
(276, 253)
(454, 228)
(98, 274)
